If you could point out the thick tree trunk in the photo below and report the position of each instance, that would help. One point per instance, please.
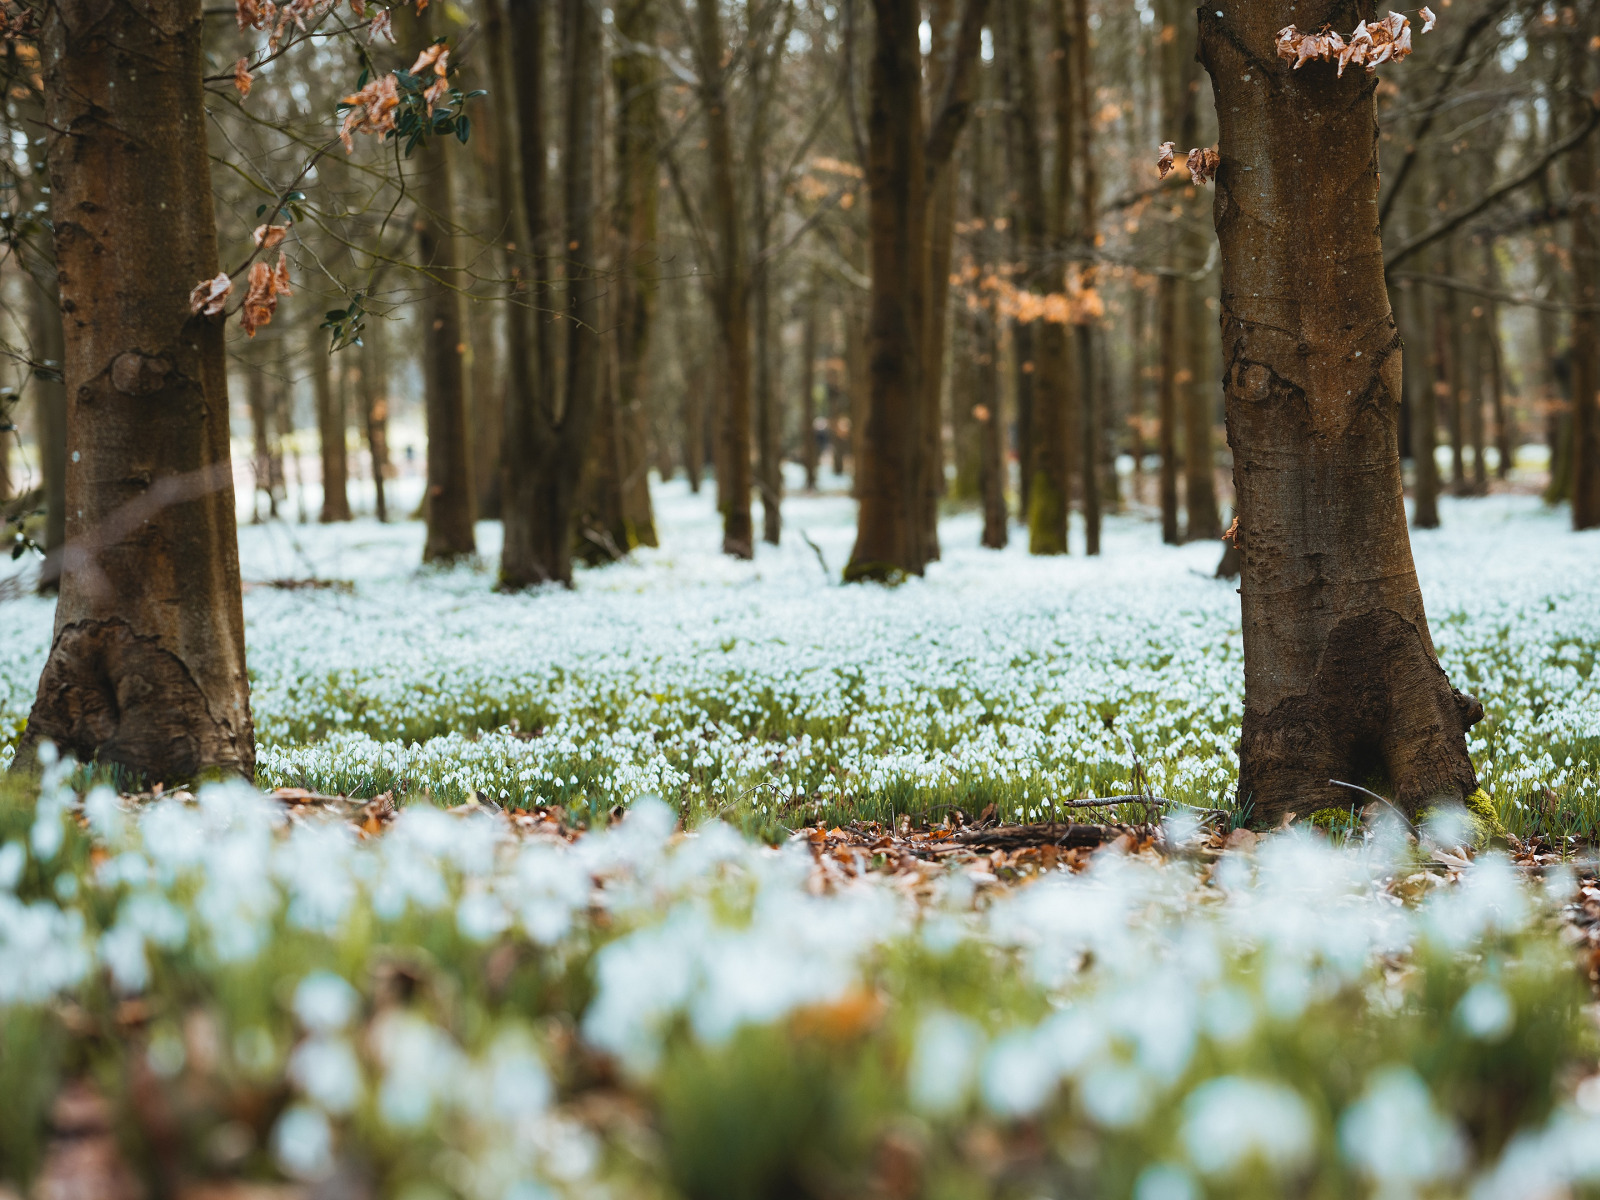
(260, 403)
(50, 411)
(1341, 680)
(486, 408)
(1180, 122)
(147, 666)
(890, 525)
(1091, 382)
(329, 398)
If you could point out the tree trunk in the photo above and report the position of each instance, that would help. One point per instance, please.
(810, 450)
(1091, 381)
(50, 410)
(986, 344)
(1341, 680)
(449, 500)
(890, 525)
(635, 220)
(1456, 358)
(1424, 416)
(329, 399)
(1168, 348)
(261, 442)
(486, 407)
(1199, 463)
(1581, 183)
(375, 416)
(147, 665)
(727, 288)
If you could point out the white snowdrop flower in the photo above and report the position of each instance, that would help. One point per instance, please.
(1486, 1012)
(13, 858)
(1017, 1080)
(1449, 825)
(1228, 1014)
(480, 916)
(314, 867)
(420, 1062)
(165, 1053)
(1396, 1136)
(325, 1002)
(326, 1070)
(568, 1152)
(105, 815)
(944, 1061)
(519, 1083)
(640, 980)
(302, 1142)
(1115, 1095)
(1164, 1181)
(1231, 1120)
(121, 949)
(43, 950)
(1489, 899)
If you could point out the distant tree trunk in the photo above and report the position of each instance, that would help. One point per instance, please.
(548, 432)
(260, 401)
(990, 421)
(1456, 360)
(1049, 451)
(1168, 348)
(634, 220)
(728, 287)
(1138, 393)
(1199, 461)
(1424, 416)
(1581, 182)
(1341, 679)
(809, 449)
(1091, 381)
(50, 411)
(330, 431)
(890, 526)
(1180, 121)
(449, 499)
(375, 416)
(147, 665)
(485, 409)
(1504, 438)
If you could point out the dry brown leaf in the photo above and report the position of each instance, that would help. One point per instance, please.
(242, 77)
(383, 23)
(371, 110)
(1370, 44)
(251, 14)
(261, 301)
(1203, 164)
(359, 7)
(268, 236)
(209, 295)
(429, 57)
(1164, 160)
(1428, 19)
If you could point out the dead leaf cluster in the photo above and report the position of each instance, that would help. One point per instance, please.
(1201, 162)
(1369, 45)
(261, 301)
(210, 295)
(372, 110)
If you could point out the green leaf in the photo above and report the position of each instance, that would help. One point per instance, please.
(464, 129)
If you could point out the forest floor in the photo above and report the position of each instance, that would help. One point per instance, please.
(767, 694)
(460, 950)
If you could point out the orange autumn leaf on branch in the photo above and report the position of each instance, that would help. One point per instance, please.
(371, 110)
(436, 56)
(242, 77)
(268, 236)
(261, 301)
(1203, 165)
(1164, 160)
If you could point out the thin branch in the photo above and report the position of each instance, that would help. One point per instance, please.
(1513, 298)
(1462, 215)
(955, 101)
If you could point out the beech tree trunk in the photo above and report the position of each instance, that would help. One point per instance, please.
(1168, 347)
(1341, 679)
(1204, 519)
(261, 443)
(147, 665)
(329, 398)
(810, 451)
(1418, 383)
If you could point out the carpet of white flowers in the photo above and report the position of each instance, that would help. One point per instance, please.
(769, 693)
(463, 1002)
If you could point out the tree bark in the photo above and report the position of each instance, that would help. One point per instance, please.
(1168, 348)
(890, 526)
(1199, 462)
(329, 398)
(1341, 679)
(50, 410)
(1581, 183)
(449, 499)
(375, 416)
(147, 665)
(1091, 385)
(1424, 416)
(260, 401)
(810, 450)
